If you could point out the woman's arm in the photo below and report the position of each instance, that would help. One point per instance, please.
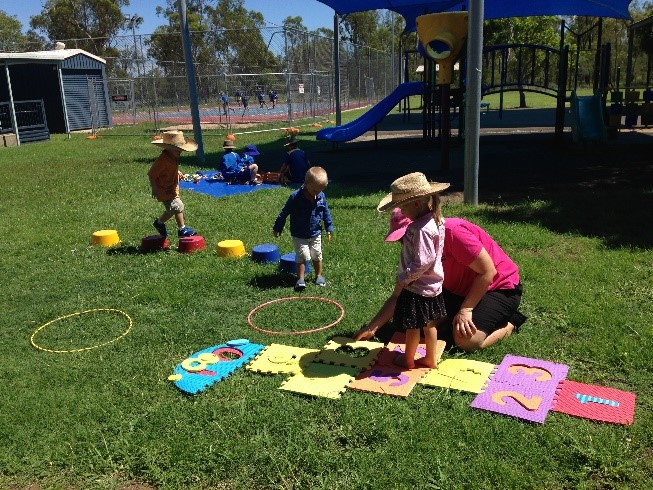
(485, 272)
(383, 316)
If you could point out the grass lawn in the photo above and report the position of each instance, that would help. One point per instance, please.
(109, 418)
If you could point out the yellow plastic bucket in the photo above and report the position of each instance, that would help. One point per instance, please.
(105, 238)
(231, 248)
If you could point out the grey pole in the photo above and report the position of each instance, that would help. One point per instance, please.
(336, 62)
(192, 87)
(472, 111)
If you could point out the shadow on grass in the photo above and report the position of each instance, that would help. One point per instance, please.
(273, 281)
(618, 217)
(133, 250)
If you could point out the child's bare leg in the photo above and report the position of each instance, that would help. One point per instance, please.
(431, 340)
(301, 270)
(166, 216)
(179, 218)
(317, 265)
(412, 341)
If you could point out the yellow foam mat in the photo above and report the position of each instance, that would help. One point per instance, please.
(322, 380)
(282, 359)
(460, 374)
(343, 351)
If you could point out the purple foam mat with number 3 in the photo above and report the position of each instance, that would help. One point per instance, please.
(522, 387)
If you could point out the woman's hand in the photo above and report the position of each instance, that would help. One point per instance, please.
(463, 323)
(364, 333)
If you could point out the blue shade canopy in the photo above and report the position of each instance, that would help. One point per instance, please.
(494, 9)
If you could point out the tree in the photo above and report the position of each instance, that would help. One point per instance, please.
(91, 23)
(517, 30)
(12, 37)
(238, 40)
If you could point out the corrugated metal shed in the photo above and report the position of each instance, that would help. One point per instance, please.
(70, 82)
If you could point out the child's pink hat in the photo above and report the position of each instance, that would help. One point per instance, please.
(398, 224)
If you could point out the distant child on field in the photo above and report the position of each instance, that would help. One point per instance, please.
(307, 208)
(233, 167)
(164, 178)
(295, 163)
(420, 305)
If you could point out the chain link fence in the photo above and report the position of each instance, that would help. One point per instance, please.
(270, 76)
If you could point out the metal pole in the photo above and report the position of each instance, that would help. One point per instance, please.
(285, 42)
(472, 111)
(336, 62)
(192, 87)
(12, 109)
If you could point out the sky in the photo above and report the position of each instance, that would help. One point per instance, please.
(313, 13)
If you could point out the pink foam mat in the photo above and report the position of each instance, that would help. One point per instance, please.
(595, 402)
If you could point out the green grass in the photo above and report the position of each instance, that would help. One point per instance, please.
(108, 417)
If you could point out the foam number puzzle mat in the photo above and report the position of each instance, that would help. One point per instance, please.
(207, 366)
(595, 402)
(522, 387)
(397, 346)
(282, 359)
(460, 374)
(388, 380)
(321, 380)
(343, 351)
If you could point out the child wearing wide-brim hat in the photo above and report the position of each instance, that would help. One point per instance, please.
(295, 163)
(164, 178)
(420, 305)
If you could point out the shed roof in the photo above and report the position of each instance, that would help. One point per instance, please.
(52, 55)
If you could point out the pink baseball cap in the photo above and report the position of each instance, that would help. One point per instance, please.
(398, 225)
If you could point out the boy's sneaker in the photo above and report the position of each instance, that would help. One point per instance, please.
(320, 281)
(186, 231)
(300, 285)
(160, 227)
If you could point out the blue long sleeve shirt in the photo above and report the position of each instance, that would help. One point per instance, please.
(306, 216)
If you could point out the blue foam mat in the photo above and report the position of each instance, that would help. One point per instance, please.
(217, 188)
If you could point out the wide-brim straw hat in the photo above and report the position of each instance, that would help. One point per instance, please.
(399, 223)
(175, 139)
(408, 188)
(228, 144)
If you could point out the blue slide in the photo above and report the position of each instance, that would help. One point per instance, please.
(587, 118)
(354, 129)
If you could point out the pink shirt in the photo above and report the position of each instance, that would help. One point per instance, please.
(420, 264)
(463, 242)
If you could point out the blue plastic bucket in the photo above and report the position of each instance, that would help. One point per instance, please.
(287, 264)
(266, 253)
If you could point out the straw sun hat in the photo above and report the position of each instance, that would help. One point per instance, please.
(408, 188)
(175, 139)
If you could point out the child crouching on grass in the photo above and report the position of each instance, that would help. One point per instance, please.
(307, 208)
(420, 306)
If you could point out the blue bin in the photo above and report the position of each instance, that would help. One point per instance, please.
(266, 253)
(287, 264)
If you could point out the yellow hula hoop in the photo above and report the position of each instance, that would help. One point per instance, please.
(82, 349)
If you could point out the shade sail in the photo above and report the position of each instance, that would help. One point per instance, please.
(494, 9)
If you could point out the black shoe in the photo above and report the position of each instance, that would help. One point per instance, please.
(160, 227)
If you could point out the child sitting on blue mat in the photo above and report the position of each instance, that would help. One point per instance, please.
(235, 168)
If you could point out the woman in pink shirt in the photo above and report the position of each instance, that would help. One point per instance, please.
(481, 285)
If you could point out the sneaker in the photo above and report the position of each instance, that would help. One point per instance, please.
(320, 281)
(186, 231)
(300, 285)
(160, 227)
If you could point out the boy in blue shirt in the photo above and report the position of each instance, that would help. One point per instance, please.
(235, 168)
(295, 163)
(307, 208)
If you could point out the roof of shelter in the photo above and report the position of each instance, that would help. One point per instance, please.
(494, 9)
(52, 55)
